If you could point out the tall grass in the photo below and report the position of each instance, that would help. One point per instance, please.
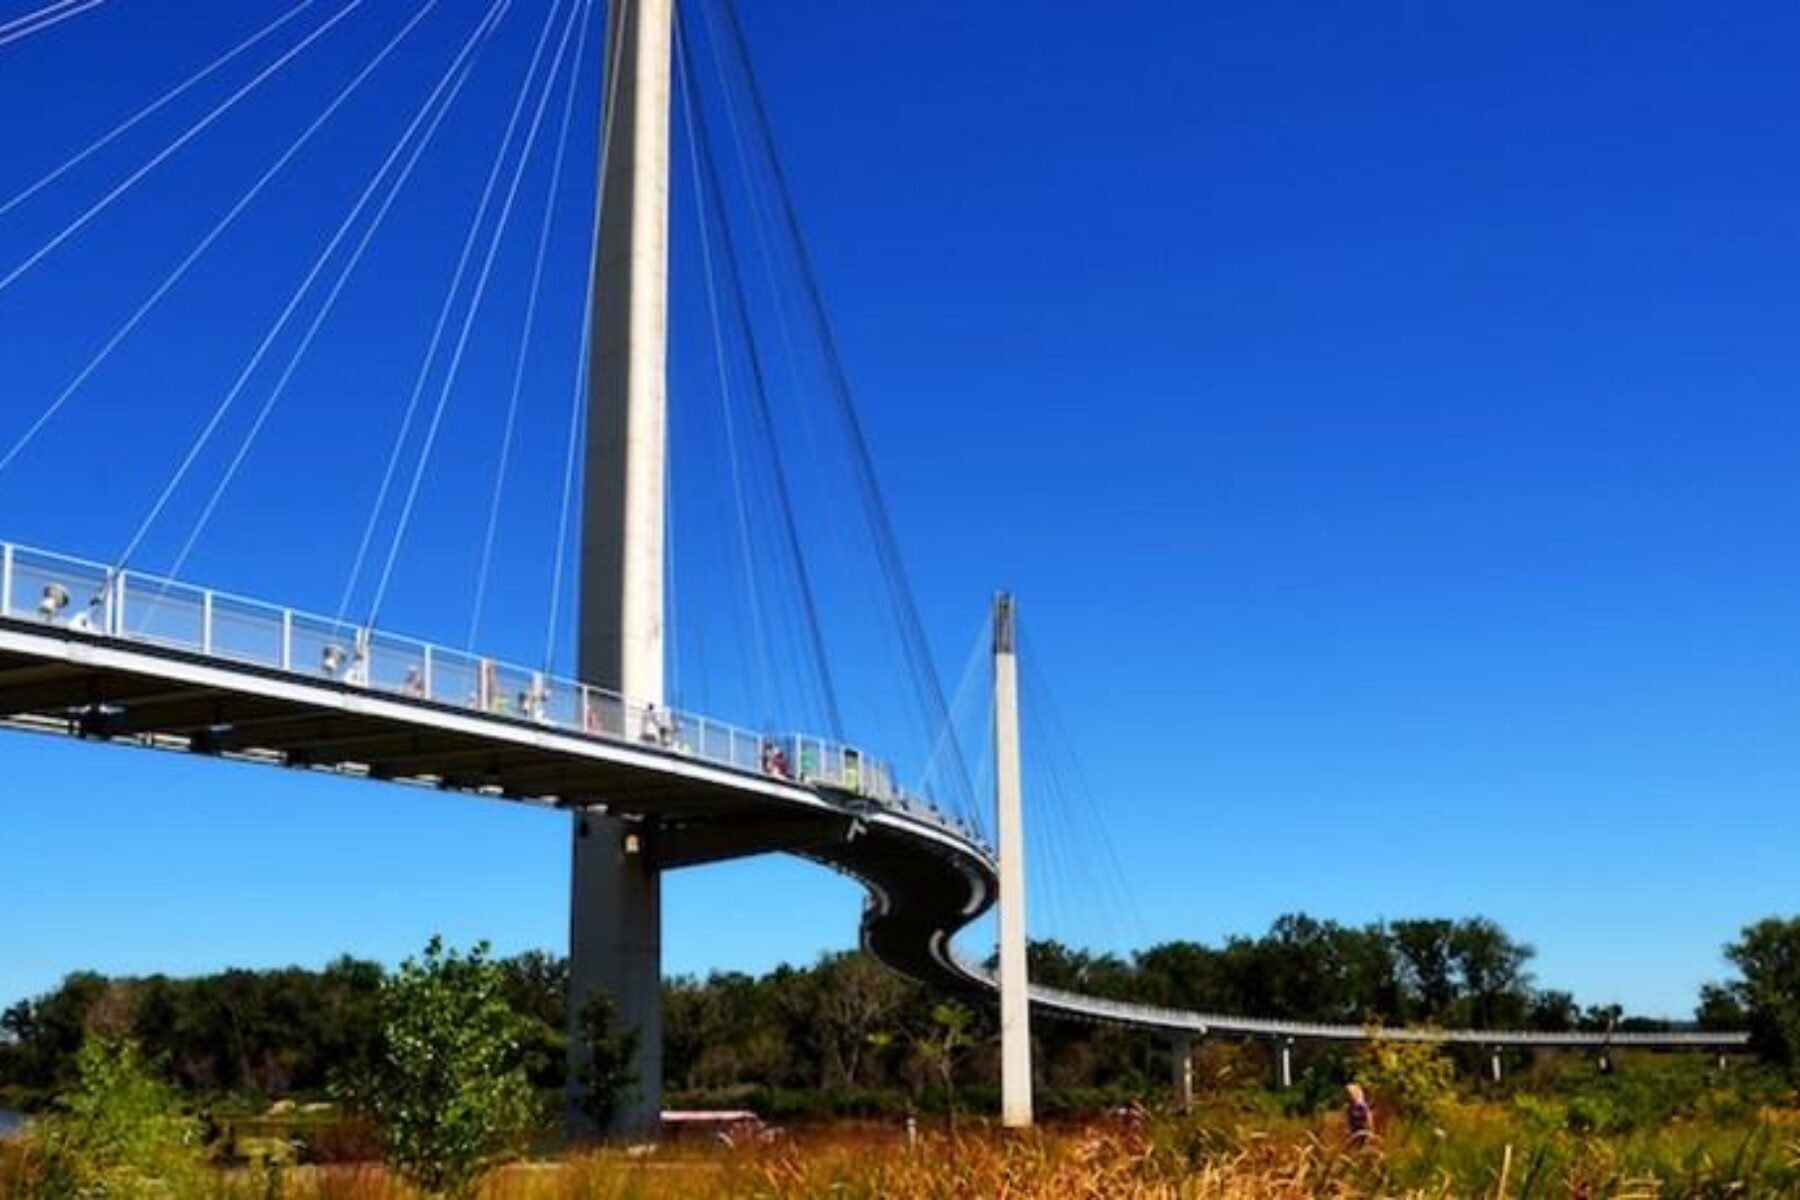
(1487, 1150)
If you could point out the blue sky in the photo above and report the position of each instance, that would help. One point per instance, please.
(1385, 418)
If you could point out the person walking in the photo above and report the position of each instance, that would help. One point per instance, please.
(1359, 1116)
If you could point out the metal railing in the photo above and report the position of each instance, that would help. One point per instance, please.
(97, 601)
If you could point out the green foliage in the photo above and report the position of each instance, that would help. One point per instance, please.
(609, 1055)
(941, 1042)
(1414, 1078)
(448, 1083)
(119, 1132)
(1767, 991)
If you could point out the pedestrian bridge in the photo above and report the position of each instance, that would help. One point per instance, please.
(137, 660)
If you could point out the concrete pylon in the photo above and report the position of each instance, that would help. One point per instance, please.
(615, 904)
(1284, 1063)
(1181, 1068)
(1015, 988)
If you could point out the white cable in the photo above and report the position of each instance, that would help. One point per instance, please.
(7, 38)
(155, 106)
(163, 289)
(578, 409)
(443, 323)
(525, 337)
(460, 70)
(8, 26)
(193, 131)
(477, 294)
(758, 630)
(294, 301)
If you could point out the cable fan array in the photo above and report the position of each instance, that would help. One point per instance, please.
(347, 250)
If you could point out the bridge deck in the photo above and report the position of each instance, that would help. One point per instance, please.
(172, 667)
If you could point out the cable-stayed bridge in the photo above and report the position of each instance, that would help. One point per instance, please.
(109, 651)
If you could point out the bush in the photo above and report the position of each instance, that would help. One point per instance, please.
(120, 1132)
(1414, 1078)
(448, 1085)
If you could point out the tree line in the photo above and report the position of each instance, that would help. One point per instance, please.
(847, 1024)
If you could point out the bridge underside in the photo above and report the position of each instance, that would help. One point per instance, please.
(172, 700)
(925, 880)
(924, 883)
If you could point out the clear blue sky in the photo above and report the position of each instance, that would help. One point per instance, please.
(1386, 416)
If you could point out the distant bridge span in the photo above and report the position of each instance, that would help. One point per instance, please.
(134, 660)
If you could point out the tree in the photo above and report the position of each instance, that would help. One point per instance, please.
(120, 1131)
(448, 1083)
(942, 1042)
(1496, 985)
(1427, 964)
(608, 1074)
(1767, 993)
(852, 999)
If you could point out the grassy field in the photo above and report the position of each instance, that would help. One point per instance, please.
(1472, 1149)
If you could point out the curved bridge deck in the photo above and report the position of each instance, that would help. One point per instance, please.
(136, 660)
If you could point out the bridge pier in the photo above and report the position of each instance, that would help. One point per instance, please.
(615, 946)
(1181, 1062)
(1284, 1063)
(1494, 1063)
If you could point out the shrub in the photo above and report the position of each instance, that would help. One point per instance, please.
(448, 1085)
(120, 1132)
(1415, 1078)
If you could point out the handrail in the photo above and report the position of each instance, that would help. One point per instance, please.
(97, 601)
(1131, 1012)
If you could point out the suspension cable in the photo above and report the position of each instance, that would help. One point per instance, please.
(759, 634)
(156, 296)
(52, 14)
(156, 105)
(759, 392)
(531, 306)
(38, 15)
(237, 388)
(443, 317)
(193, 131)
(461, 69)
(914, 642)
(477, 294)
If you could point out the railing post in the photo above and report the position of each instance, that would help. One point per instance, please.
(206, 615)
(116, 610)
(287, 639)
(425, 671)
(6, 579)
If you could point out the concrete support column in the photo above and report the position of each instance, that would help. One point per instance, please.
(615, 903)
(615, 946)
(1015, 988)
(1181, 1063)
(1494, 1063)
(1284, 1063)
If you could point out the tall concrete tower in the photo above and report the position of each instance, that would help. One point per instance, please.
(615, 918)
(1015, 987)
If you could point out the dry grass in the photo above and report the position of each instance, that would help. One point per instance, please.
(1479, 1153)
